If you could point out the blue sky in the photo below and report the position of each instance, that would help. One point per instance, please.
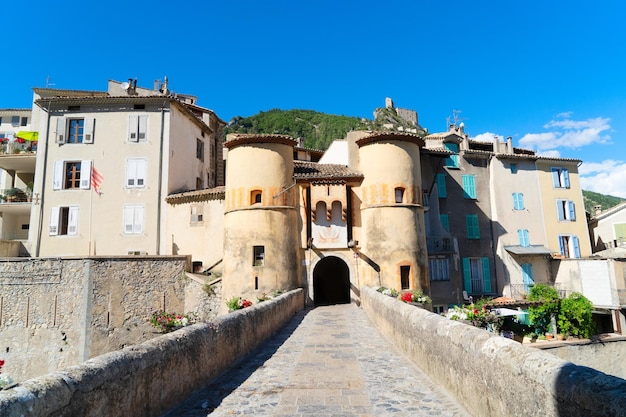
(548, 74)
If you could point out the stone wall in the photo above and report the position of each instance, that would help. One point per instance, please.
(55, 313)
(607, 355)
(152, 377)
(490, 375)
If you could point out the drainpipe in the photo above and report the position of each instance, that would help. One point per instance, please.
(43, 181)
(160, 185)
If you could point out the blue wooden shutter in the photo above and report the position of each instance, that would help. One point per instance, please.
(556, 178)
(518, 201)
(486, 275)
(562, 245)
(527, 276)
(576, 247)
(467, 275)
(565, 173)
(572, 211)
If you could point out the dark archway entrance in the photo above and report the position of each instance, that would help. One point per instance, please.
(331, 282)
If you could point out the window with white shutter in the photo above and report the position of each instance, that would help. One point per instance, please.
(136, 172)
(133, 219)
(137, 128)
(63, 221)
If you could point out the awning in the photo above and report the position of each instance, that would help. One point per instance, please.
(532, 250)
(30, 136)
(504, 312)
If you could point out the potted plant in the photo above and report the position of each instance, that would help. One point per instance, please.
(12, 193)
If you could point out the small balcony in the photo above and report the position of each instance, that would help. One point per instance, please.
(440, 245)
(520, 291)
(16, 195)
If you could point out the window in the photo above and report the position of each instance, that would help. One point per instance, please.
(199, 183)
(453, 160)
(513, 168)
(565, 210)
(24, 121)
(439, 309)
(63, 221)
(518, 201)
(441, 185)
(136, 172)
(471, 223)
(399, 191)
(619, 231)
(569, 246)
(196, 215)
(469, 186)
(560, 177)
(524, 237)
(75, 130)
(476, 276)
(133, 219)
(70, 175)
(404, 276)
(259, 255)
(445, 221)
(15, 121)
(439, 269)
(256, 197)
(527, 277)
(200, 150)
(137, 128)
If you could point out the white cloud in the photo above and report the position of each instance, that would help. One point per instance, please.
(567, 133)
(486, 137)
(607, 177)
(551, 153)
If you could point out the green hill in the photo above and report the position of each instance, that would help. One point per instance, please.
(595, 199)
(317, 129)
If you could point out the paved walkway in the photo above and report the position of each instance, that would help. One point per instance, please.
(327, 361)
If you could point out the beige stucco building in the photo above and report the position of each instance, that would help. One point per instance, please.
(107, 161)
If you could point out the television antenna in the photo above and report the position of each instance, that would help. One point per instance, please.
(455, 118)
(48, 83)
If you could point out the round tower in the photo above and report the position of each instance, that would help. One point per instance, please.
(261, 240)
(392, 215)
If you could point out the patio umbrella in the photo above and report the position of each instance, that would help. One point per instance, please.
(29, 136)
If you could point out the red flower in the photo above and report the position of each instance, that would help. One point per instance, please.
(407, 297)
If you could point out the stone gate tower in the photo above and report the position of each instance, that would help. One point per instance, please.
(262, 250)
(393, 232)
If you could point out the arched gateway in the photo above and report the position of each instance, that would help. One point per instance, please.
(331, 281)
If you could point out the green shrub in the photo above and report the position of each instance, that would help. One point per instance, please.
(576, 316)
(540, 316)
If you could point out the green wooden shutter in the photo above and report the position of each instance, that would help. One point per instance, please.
(486, 275)
(441, 185)
(469, 186)
(467, 275)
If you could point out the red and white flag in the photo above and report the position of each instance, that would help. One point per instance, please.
(96, 180)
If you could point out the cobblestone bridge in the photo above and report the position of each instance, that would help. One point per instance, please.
(327, 361)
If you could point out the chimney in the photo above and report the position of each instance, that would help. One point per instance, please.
(496, 145)
(597, 210)
(156, 85)
(509, 144)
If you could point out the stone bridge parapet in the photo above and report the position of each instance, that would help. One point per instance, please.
(491, 375)
(149, 378)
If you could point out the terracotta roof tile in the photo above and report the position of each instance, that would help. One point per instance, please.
(216, 193)
(312, 171)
